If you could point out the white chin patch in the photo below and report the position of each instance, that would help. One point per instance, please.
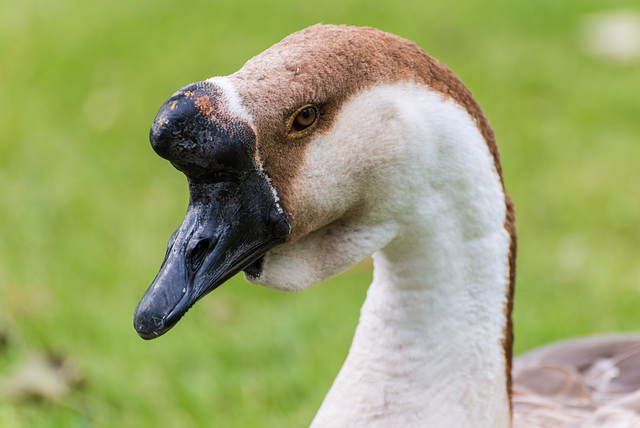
(320, 255)
(285, 269)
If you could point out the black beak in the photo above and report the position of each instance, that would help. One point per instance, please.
(233, 218)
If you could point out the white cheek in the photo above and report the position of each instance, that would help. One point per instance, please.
(351, 163)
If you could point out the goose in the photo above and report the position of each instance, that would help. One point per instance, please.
(339, 143)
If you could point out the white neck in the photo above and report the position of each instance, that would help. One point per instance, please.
(429, 350)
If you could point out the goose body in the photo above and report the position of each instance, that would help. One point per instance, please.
(333, 145)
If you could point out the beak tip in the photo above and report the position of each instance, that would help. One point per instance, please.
(150, 325)
(148, 332)
(146, 324)
(144, 330)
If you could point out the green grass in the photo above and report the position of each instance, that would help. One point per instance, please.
(86, 208)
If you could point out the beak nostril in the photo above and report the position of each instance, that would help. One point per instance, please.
(172, 241)
(199, 253)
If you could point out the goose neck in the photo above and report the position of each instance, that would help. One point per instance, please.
(429, 348)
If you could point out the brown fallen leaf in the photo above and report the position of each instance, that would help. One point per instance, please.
(43, 377)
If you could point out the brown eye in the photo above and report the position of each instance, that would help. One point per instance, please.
(303, 120)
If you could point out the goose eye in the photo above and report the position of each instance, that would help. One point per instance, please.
(303, 120)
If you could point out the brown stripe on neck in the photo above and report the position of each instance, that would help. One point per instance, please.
(507, 341)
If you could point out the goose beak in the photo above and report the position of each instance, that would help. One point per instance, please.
(233, 218)
(216, 240)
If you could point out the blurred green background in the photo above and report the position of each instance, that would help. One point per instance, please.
(86, 207)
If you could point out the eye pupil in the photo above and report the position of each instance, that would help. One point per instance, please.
(304, 119)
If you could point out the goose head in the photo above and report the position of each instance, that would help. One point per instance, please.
(312, 157)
